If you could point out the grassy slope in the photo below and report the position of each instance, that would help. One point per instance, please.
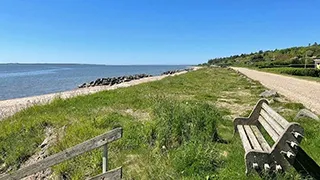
(172, 128)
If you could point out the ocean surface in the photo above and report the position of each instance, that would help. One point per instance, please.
(23, 80)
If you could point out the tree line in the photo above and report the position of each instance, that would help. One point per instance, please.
(278, 57)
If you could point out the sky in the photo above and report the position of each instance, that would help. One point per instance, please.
(126, 32)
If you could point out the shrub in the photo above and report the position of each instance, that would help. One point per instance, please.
(299, 71)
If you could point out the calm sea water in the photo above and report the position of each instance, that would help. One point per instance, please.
(23, 80)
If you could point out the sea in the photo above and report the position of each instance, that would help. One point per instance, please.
(24, 80)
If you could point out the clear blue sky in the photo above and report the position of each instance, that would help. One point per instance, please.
(151, 31)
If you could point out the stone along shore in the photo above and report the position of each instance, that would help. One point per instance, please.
(110, 81)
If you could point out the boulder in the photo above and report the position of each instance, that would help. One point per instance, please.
(126, 79)
(97, 82)
(306, 113)
(82, 85)
(269, 93)
(105, 82)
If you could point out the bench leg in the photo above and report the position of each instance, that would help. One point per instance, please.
(258, 161)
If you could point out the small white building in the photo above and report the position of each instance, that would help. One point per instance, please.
(317, 63)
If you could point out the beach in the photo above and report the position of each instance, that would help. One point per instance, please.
(12, 106)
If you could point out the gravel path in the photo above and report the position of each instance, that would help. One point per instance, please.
(298, 90)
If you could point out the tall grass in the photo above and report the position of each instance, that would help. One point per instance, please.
(178, 123)
(187, 131)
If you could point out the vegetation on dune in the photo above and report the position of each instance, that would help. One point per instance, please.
(176, 128)
(294, 57)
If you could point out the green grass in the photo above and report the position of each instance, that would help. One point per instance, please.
(176, 128)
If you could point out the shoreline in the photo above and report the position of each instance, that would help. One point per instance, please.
(11, 106)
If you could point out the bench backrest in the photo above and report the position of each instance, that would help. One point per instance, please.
(272, 122)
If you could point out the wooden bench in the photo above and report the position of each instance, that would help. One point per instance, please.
(259, 154)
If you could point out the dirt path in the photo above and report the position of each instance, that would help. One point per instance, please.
(303, 91)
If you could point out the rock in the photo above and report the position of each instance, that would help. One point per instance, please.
(278, 99)
(269, 93)
(82, 85)
(105, 82)
(97, 82)
(126, 79)
(91, 83)
(306, 113)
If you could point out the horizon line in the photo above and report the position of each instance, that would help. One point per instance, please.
(101, 64)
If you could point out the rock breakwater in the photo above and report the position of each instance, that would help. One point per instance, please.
(110, 81)
(176, 71)
(113, 80)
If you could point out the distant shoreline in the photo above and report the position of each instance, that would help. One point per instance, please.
(11, 106)
(98, 64)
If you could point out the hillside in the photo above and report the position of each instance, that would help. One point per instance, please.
(293, 56)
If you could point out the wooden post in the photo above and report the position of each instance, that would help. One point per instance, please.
(105, 159)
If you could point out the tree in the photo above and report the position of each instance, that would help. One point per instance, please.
(257, 58)
(309, 53)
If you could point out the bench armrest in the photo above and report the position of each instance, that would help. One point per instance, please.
(239, 121)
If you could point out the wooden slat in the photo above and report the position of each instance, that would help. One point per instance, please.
(264, 144)
(114, 174)
(276, 126)
(253, 140)
(66, 154)
(244, 139)
(268, 128)
(284, 123)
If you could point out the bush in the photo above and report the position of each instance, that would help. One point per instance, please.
(301, 65)
(299, 71)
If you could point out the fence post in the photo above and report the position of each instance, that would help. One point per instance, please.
(105, 159)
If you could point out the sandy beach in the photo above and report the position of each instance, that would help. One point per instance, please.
(12, 106)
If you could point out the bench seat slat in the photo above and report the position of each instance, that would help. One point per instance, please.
(274, 135)
(284, 123)
(264, 144)
(244, 139)
(276, 126)
(253, 140)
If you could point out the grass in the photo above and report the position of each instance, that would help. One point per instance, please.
(176, 128)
